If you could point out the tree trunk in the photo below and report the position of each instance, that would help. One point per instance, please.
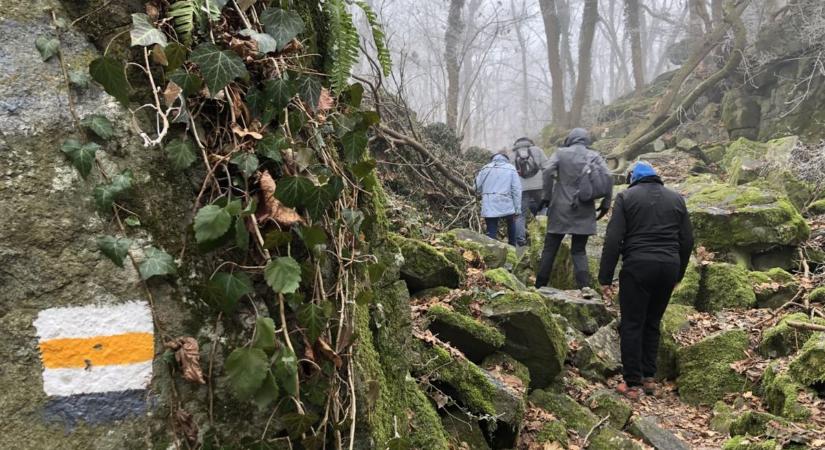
(563, 9)
(522, 43)
(455, 28)
(590, 17)
(553, 32)
(634, 32)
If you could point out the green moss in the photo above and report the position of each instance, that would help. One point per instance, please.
(439, 291)
(781, 395)
(473, 327)
(722, 418)
(688, 289)
(743, 443)
(427, 430)
(494, 253)
(753, 423)
(715, 153)
(783, 340)
(817, 295)
(612, 439)
(508, 365)
(586, 315)
(725, 286)
(502, 277)
(605, 402)
(705, 375)
(463, 430)
(817, 207)
(553, 432)
(564, 407)
(425, 266)
(773, 288)
(808, 367)
(674, 320)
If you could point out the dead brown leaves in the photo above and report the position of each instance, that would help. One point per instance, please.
(188, 357)
(271, 209)
(171, 93)
(534, 420)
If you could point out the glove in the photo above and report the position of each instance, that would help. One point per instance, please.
(602, 212)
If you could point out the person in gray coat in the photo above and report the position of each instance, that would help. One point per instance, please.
(529, 161)
(566, 215)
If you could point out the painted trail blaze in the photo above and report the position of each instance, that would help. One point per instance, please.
(97, 361)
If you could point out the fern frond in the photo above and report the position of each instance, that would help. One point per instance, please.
(184, 14)
(345, 43)
(378, 37)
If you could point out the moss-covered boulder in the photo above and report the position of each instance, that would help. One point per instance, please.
(503, 277)
(817, 208)
(782, 339)
(562, 276)
(648, 429)
(503, 363)
(808, 367)
(473, 337)
(773, 288)
(553, 432)
(722, 416)
(817, 295)
(725, 286)
(493, 252)
(425, 266)
(586, 315)
(781, 395)
(600, 355)
(750, 443)
(747, 217)
(755, 423)
(605, 402)
(674, 320)
(749, 159)
(705, 375)
(463, 430)
(532, 334)
(688, 289)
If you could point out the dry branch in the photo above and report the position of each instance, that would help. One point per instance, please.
(805, 326)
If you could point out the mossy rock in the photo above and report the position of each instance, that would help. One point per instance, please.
(528, 264)
(808, 368)
(502, 277)
(600, 355)
(773, 288)
(439, 291)
(783, 340)
(749, 443)
(722, 417)
(606, 402)
(754, 423)
(494, 253)
(508, 365)
(425, 266)
(463, 431)
(817, 295)
(532, 334)
(715, 153)
(781, 395)
(553, 432)
(674, 320)
(611, 439)
(705, 375)
(688, 289)
(817, 208)
(744, 217)
(474, 338)
(586, 315)
(725, 286)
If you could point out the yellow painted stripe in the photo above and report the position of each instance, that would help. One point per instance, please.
(126, 348)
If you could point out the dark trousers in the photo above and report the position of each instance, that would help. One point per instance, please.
(492, 228)
(644, 292)
(530, 203)
(578, 253)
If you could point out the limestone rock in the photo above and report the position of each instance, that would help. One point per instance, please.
(741, 115)
(494, 253)
(705, 375)
(808, 367)
(600, 356)
(648, 430)
(504, 278)
(586, 315)
(473, 337)
(425, 266)
(725, 286)
(755, 423)
(783, 340)
(606, 402)
(674, 320)
(529, 325)
(773, 288)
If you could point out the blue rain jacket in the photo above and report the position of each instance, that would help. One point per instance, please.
(500, 188)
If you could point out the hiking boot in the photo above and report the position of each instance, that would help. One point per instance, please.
(629, 392)
(649, 385)
(587, 293)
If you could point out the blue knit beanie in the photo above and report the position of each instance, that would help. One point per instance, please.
(640, 170)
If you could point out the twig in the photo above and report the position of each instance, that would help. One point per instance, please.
(595, 427)
(75, 118)
(805, 326)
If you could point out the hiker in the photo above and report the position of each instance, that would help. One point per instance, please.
(500, 189)
(650, 229)
(569, 212)
(529, 161)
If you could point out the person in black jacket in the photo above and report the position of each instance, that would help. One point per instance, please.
(650, 229)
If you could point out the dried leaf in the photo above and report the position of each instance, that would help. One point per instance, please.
(271, 208)
(187, 425)
(325, 101)
(243, 132)
(171, 93)
(188, 357)
(329, 353)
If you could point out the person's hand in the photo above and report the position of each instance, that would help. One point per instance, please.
(608, 293)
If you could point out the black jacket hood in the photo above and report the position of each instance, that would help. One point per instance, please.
(578, 136)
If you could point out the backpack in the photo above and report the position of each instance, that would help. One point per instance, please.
(526, 166)
(594, 182)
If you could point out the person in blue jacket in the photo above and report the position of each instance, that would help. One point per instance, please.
(500, 189)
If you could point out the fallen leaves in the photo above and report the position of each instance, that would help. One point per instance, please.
(188, 357)
(271, 208)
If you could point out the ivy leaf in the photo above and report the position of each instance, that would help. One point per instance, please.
(354, 94)
(48, 47)
(309, 88)
(241, 235)
(298, 424)
(354, 144)
(354, 219)
(246, 369)
(100, 125)
(285, 369)
(106, 194)
(188, 82)
(228, 288)
(282, 25)
(79, 79)
(270, 147)
(144, 33)
(114, 248)
(293, 191)
(246, 162)
(218, 67)
(320, 197)
(279, 91)
(267, 393)
(180, 153)
(264, 334)
(156, 263)
(111, 74)
(132, 221)
(312, 236)
(175, 56)
(363, 168)
(82, 156)
(314, 319)
(211, 222)
(283, 275)
(266, 43)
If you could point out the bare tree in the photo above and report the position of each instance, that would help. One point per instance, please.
(455, 29)
(590, 17)
(552, 30)
(634, 32)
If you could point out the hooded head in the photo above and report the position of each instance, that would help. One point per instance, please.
(523, 142)
(500, 155)
(641, 170)
(578, 136)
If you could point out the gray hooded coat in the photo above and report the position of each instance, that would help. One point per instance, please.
(566, 215)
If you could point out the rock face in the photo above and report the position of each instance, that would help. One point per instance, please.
(705, 375)
(783, 340)
(781, 395)
(425, 266)
(600, 356)
(585, 315)
(741, 114)
(773, 288)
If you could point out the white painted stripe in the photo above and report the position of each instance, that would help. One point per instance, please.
(94, 320)
(97, 379)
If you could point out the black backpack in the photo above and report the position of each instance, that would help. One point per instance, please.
(594, 181)
(526, 166)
